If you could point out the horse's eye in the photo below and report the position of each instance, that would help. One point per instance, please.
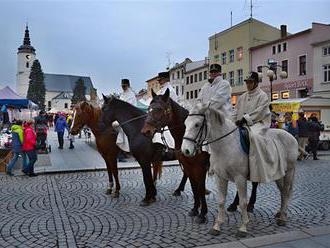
(196, 125)
(150, 110)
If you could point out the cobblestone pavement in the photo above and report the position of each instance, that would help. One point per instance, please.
(71, 210)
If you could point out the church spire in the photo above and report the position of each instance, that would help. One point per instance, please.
(26, 47)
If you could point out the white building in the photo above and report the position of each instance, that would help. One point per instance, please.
(177, 77)
(56, 84)
(321, 68)
(195, 77)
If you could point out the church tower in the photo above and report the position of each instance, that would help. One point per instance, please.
(25, 57)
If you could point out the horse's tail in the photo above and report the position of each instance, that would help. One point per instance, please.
(157, 169)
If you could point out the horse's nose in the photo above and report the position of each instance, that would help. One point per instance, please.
(186, 152)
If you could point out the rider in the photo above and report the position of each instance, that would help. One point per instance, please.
(128, 94)
(252, 111)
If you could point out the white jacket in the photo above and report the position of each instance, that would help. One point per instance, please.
(128, 96)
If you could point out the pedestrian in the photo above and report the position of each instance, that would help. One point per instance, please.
(17, 141)
(290, 125)
(314, 136)
(69, 120)
(29, 146)
(303, 134)
(60, 127)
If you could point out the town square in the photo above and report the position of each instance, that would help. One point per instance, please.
(165, 124)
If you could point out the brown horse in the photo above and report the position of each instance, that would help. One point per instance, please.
(87, 114)
(163, 111)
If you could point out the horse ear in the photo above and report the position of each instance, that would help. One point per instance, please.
(166, 95)
(105, 98)
(153, 94)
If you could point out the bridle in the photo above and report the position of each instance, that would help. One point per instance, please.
(199, 140)
(158, 123)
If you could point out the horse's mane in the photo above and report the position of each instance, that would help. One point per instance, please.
(181, 110)
(127, 106)
(95, 110)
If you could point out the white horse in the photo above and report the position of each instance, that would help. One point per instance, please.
(230, 163)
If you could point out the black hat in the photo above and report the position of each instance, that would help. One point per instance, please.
(164, 74)
(253, 76)
(215, 68)
(124, 81)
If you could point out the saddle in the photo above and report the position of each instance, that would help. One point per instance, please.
(244, 139)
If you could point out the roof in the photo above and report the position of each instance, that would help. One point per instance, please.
(151, 79)
(195, 65)
(320, 43)
(65, 83)
(240, 24)
(64, 95)
(178, 65)
(282, 39)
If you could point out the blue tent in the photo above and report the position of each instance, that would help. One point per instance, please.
(11, 99)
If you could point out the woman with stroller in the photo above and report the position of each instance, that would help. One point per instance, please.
(29, 146)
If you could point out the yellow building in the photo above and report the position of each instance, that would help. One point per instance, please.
(231, 49)
(152, 83)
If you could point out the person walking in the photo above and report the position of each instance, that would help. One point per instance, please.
(303, 134)
(17, 141)
(60, 127)
(314, 138)
(29, 146)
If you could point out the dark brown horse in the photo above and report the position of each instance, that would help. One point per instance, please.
(87, 114)
(163, 111)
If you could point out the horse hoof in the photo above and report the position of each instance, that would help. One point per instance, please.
(200, 219)
(250, 208)
(277, 215)
(241, 234)
(232, 208)
(147, 202)
(177, 193)
(108, 192)
(280, 222)
(207, 192)
(115, 194)
(214, 232)
(193, 213)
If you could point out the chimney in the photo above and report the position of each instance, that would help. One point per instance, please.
(283, 31)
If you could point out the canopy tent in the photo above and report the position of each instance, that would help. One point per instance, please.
(11, 99)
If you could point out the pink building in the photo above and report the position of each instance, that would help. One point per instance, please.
(295, 54)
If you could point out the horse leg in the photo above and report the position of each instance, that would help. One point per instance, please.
(233, 207)
(285, 186)
(110, 185)
(115, 175)
(194, 187)
(156, 170)
(241, 188)
(177, 192)
(151, 192)
(253, 197)
(201, 218)
(222, 189)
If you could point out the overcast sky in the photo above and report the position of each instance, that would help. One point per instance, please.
(110, 40)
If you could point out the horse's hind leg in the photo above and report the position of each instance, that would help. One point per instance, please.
(201, 193)
(222, 189)
(241, 188)
(253, 197)
(285, 186)
(194, 187)
(115, 175)
(233, 207)
(178, 191)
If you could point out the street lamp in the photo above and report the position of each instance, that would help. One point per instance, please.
(272, 65)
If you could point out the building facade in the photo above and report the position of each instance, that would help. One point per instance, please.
(295, 55)
(195, 77)
(152, 84)
(231, 49)
(177, 76)
(55, 84)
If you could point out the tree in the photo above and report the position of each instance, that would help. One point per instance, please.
(79, 92)
(93, 95)
(37, 90)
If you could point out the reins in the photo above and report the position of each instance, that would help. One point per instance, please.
(133, 119)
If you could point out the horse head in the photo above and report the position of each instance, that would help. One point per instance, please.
(159, 113)
(108, 110)
(81, 116)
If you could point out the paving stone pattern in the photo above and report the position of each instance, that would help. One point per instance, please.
(71, 210)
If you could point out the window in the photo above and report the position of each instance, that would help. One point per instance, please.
(191, 79)
(27, 64)
(191, 94)
(182, 89)
(172, 75)
(259, 69)
(65, 105)
(216, 57)
(182, 75)
(284, 46)
(275, 96)
(274, 49)
(231, 56)
(279, 48)
(177, 90)
(240, 77)
(231, 78)
(195, 76)
(205, 75)
(326, 51)
(285, 94)
(187, 80)
(302, 65)
(200, 76)
(196, 93)
(49, 104)
(178, 74)
(239, 53)
(187, 95)
(224, 58)
(285, 66)
(326, 72)
(224, 76)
